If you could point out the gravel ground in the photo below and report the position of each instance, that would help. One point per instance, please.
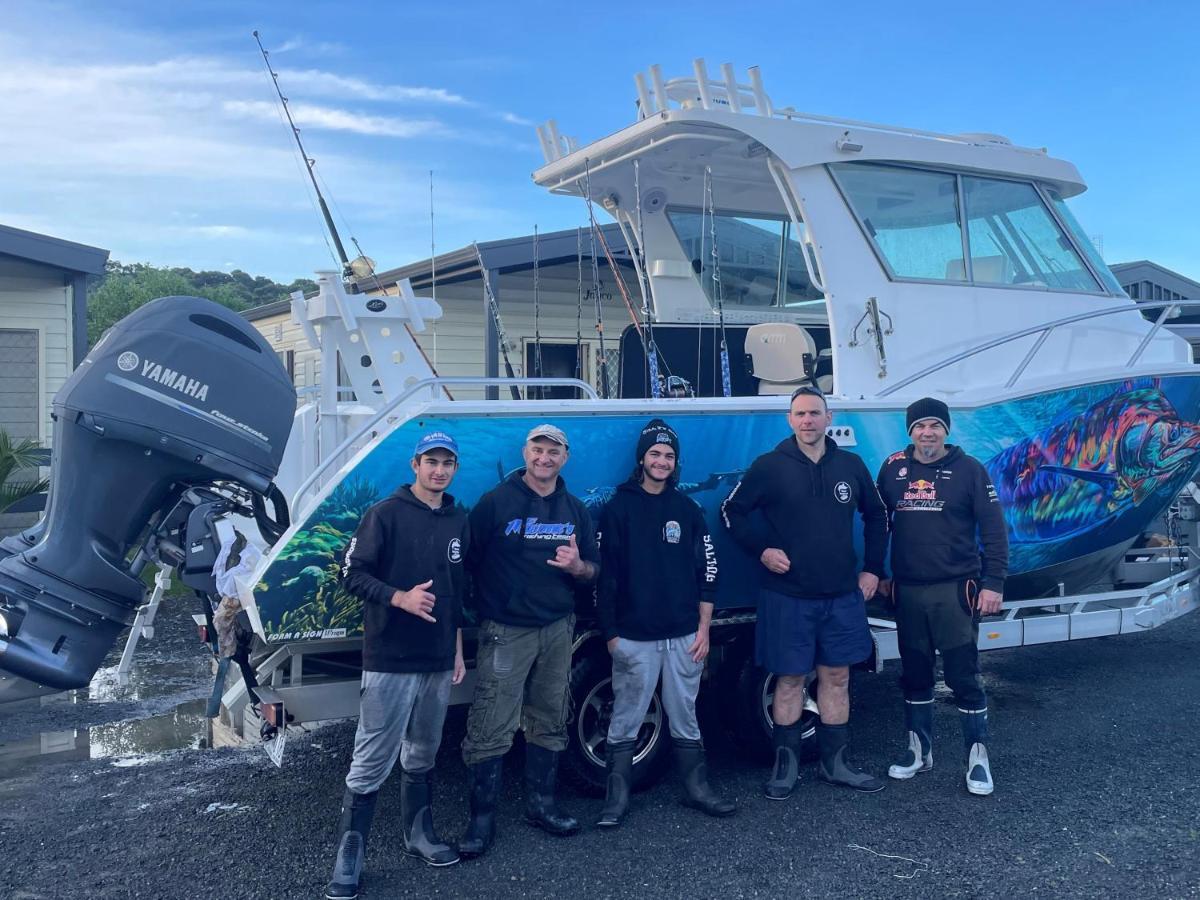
(1094, 758)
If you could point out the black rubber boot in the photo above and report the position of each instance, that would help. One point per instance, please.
(485, 789)
(834, 769)
(689, 756)
(786, 739)
(918, 722)
(620, 780)
(975, 738)
(416, 812)
(541, 770)
(357, 812)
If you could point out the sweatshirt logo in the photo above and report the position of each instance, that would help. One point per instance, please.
(541, 531)
(841, 490)
(454, 550)
(349, 553)
(671, 532)
(921, 495)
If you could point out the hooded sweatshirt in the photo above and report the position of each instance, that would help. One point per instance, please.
(941, 513)
(657, 564)
(402, 542)
(515, 531)
(806, 509)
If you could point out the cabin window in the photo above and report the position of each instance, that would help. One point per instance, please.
(761, 259)
(1081, 239)
(914, 219)
(1015, 240)
(912, 216)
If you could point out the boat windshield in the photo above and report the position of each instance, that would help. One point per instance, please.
(1082, 240)
(761, 260)
(914, 218)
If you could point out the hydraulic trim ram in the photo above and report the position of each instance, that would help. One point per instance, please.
(180, 398)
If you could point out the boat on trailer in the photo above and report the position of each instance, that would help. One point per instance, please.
(880, 263)
(772, 249)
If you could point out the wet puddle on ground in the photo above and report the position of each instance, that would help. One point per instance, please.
(159, 707)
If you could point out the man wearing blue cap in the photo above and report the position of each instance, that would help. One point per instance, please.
(405, 562)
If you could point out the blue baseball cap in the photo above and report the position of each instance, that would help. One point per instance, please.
(434, 440)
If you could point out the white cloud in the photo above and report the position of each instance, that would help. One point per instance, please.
(330, 118)
(184, 160)
(513, 119)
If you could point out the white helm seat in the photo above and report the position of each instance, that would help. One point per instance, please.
(782, 356)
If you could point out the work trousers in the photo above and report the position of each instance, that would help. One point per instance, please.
(400, 715)
(522, 678)
(940, 617)
(637, 667)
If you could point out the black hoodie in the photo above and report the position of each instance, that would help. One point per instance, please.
(657, 564)
(806, 509)
(402, 542)
(515, 531)
(941, 512)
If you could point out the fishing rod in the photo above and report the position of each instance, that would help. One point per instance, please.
(726, 388)
(537, 333)
(348, 271)
(309, 162)
(579, 304)
(494, 308)
(651, 350)
(587, 190)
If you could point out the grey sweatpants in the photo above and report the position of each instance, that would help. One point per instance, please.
(401, 715)
(637, 667)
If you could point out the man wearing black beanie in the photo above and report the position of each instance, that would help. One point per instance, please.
(942, 507)
(658, 579)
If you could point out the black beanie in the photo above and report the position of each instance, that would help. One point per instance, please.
(657, 432)
(928, 408)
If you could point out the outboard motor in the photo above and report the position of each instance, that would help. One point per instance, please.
(181, 408)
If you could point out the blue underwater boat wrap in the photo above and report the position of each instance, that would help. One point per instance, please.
(1078, 470)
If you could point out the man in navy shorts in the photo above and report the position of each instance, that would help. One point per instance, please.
(794, 511)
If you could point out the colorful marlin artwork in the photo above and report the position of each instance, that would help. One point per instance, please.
(1082, 475)
(1078, 470)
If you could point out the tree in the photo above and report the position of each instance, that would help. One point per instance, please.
(128, 286)
(23, 454)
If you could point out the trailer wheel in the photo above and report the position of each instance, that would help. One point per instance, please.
(592, 701)
(752, 713)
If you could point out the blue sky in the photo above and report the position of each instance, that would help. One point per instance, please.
(151, 129)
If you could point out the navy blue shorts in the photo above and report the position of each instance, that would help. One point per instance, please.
(793, 635)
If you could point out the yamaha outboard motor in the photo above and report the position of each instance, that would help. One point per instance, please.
(178, 415)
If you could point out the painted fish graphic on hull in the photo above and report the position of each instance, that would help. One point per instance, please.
(1087, 469)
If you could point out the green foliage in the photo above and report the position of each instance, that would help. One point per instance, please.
(13, 457)
(305, 577)
(125, 287)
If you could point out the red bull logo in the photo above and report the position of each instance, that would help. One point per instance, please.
(921, 494)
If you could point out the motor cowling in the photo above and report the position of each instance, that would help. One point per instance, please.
(182, 393)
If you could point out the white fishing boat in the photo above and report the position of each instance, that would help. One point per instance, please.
(773, 249)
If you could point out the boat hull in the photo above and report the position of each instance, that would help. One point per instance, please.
(1082, 471)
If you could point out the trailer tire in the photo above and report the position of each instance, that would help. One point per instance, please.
(752, 714)
(591, 703)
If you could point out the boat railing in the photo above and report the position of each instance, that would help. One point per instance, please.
(434, 386)
(1043, 332)
(727, 94)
